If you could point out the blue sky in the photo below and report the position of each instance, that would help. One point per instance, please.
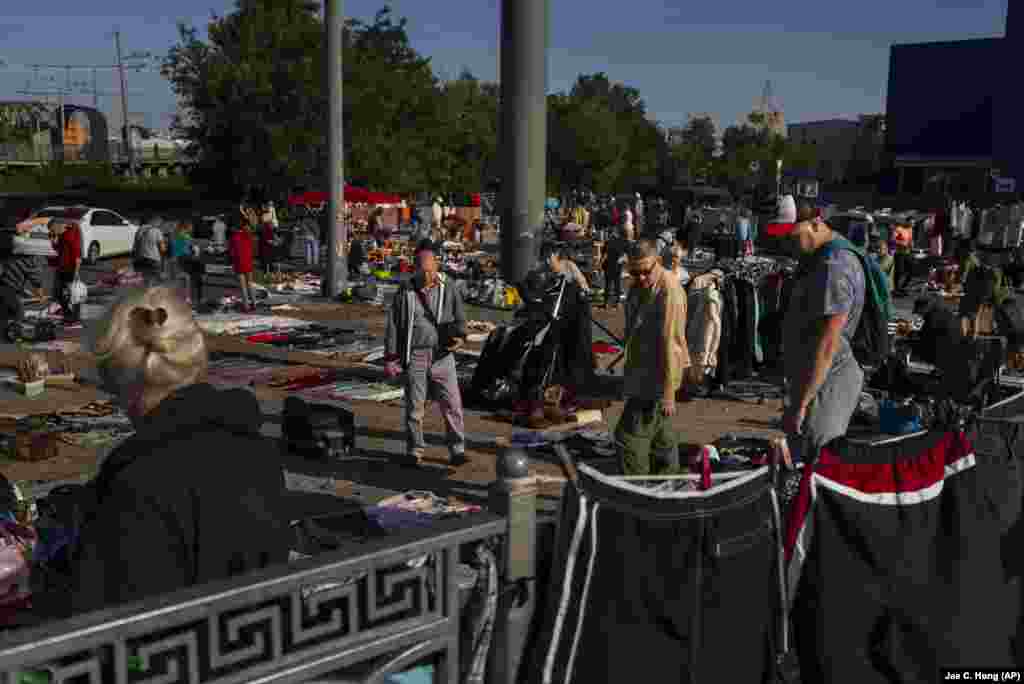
(826, 59)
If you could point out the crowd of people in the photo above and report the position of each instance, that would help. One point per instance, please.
(188, 522)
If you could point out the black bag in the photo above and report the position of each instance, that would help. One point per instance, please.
(316, 430)
(1010, 322)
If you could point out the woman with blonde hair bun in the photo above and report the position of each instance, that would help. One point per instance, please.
(196, 494)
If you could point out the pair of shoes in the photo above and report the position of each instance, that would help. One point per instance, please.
(458, 459)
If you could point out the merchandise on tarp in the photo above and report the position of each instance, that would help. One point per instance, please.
(656, 571)
(907, 524)
(240, 323)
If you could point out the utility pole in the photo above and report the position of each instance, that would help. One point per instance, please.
(337, 234)
(95, 92)
(125, 129)
(524, 42)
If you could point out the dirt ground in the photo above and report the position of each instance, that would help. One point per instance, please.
(699, 422)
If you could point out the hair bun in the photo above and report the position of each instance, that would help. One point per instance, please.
(150, 317)
(146, 327)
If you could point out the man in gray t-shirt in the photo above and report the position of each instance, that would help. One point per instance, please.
(824, 379)
(148, 253)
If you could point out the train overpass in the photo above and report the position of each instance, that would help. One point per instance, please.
(150, 160)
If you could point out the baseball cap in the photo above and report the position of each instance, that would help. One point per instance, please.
(785, 217)
(790, 214)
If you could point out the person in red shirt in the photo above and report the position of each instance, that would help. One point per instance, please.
(67, 242)
(240, 247)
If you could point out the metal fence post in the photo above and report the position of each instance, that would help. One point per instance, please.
(514, 496)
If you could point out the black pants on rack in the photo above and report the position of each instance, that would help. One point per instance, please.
(684, 588)
(898, 562)
(62, 283)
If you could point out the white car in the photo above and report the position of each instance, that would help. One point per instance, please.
(104, 232)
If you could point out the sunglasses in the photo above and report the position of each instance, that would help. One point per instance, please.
(637, 273)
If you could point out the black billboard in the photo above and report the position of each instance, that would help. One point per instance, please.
(931, 114)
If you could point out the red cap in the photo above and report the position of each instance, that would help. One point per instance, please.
(785, 218)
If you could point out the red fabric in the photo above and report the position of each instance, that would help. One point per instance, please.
(69, 249)
(615, 215)
(779, 229)
(240, 248)
(262, 338)
(351, 194)
(605, 348)
(906, 475)
(474, 199)
(703, 468)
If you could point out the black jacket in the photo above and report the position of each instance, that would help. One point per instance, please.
(195, 495)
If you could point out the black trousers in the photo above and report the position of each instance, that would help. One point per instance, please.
(195, 269)
(62, 283)
(685, 587)
(904, 270)
(901, 570)
(612, 286)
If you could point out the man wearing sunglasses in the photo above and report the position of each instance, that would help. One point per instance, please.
(656, 358)
(822, 315)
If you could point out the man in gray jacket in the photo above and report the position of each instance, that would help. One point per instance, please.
(426, 324)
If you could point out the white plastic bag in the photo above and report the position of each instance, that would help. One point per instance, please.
(78, 292)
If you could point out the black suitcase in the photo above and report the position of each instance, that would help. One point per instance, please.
(318, 431)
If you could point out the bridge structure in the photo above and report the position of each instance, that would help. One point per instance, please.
(150, 160)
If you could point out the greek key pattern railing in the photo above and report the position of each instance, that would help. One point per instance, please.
(282, 625)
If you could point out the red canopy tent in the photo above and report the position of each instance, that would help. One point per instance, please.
(352, 194)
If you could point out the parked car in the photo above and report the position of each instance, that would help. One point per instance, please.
(104, 232)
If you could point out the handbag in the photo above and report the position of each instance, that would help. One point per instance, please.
(77, 292)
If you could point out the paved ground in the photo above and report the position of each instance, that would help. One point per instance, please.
(375, 470)
(699, 422)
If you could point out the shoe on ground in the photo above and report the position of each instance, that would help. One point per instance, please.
(457, 460)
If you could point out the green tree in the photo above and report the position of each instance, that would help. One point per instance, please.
(700, 134)
(470, 113)
(599, 137)
(255, 102)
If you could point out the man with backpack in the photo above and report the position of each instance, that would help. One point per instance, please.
(836, 320)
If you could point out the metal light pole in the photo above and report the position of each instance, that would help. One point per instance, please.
(524, 41)
(337, 235)
(125, 128)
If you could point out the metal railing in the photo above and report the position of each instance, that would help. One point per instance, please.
(381, 607)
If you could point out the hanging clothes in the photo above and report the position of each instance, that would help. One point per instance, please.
(905, 525)
(746, 330)
(650, 580)
(726, 360)
(758, 349)
(704, 322)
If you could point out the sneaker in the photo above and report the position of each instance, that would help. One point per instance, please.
(457, 459)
